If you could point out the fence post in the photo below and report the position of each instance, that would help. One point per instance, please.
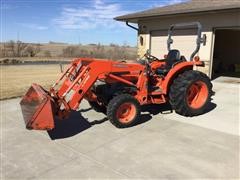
(61, 66)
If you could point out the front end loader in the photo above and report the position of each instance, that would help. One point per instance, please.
(119, 89)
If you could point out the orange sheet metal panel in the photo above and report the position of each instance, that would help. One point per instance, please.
(37, 109)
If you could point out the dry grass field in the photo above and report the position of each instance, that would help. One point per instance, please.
(16, 79)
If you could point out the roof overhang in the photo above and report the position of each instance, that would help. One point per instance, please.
(136, 17)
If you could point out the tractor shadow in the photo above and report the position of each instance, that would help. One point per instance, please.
(148, 111)
(211, 106)
(72, 125)
(76, 123)
(156, 109)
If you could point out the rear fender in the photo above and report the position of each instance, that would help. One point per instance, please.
(174, 72)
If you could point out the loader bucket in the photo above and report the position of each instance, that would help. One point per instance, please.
(37, 109)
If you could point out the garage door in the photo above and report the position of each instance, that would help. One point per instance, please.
(226, 56)
(183, 40)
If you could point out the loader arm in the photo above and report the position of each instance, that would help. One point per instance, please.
(83, 73)
(78, 79)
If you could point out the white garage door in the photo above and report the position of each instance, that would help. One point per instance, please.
(183, 40)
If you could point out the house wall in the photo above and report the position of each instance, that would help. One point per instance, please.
(183, 40)
(208, 21)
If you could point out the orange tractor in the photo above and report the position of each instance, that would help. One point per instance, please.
(119, 89)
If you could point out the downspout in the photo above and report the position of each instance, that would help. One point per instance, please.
(132, 26)
(135, 28)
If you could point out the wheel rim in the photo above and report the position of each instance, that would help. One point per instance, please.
(197, 94)
(126, 112)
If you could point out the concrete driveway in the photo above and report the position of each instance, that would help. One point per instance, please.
(163, 145)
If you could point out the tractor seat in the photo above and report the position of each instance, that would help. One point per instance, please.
(172, 58)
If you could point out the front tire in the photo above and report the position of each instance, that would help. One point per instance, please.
(190, 93)
(123, 111)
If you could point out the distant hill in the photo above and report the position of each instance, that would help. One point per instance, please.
(51, 50)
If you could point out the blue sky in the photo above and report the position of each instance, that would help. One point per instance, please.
(71, 21)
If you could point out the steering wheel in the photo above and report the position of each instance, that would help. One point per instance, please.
(150, 58)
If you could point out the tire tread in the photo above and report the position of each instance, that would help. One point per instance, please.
(178, 90)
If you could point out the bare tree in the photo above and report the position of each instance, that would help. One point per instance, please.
(2, 50)
(69, 51)
(32, 50)
(114, 52)
(10, 48)
(20, 46)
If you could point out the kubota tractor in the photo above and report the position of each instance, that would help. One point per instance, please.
(119, 89)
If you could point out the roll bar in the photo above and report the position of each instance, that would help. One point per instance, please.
(199, 39)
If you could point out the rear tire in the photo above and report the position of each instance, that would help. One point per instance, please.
(123, 111)
(190, 93)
